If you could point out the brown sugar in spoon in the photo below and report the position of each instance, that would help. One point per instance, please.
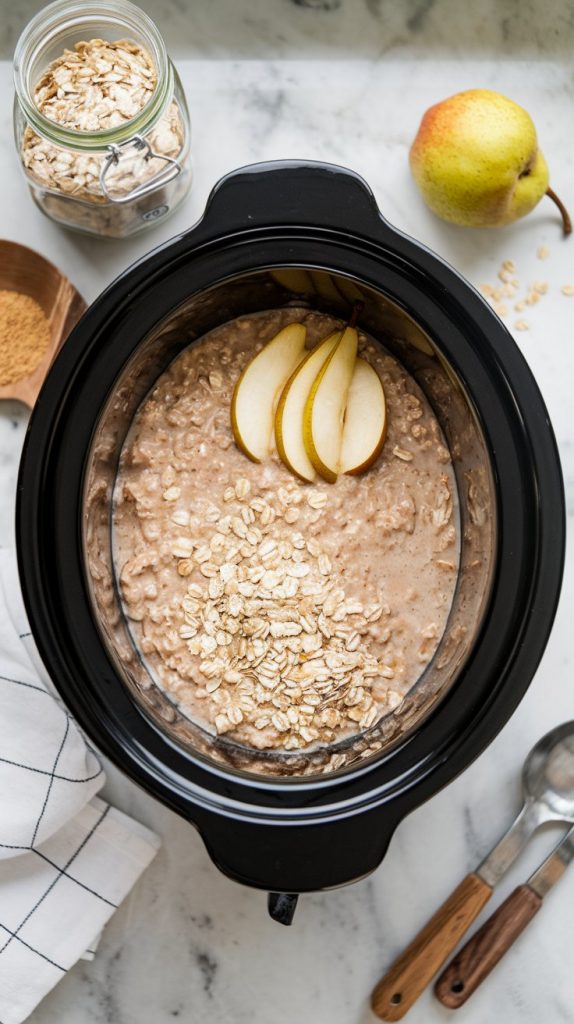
(24, 270)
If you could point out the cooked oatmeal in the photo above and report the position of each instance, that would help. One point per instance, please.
(281, 614)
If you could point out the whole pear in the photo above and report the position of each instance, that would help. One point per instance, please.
(477, 163)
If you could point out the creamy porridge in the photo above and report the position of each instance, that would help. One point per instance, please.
(281, 614)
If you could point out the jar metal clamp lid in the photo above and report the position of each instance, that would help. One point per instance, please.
(163, 176)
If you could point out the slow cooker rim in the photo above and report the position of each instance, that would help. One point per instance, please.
(100, 312)
(314, 784)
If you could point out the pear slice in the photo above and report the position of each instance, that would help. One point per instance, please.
(291, 407)
(349, 290)
(324, 412)
(255, 393)
(365, 426)
(295, 279)
(325, 286)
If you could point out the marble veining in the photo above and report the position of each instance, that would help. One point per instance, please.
(189, 944)
(337, 29)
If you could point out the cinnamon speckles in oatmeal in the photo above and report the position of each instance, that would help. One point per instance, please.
(281, 615)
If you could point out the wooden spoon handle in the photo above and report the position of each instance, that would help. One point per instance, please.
(415, 968)
(486, 947)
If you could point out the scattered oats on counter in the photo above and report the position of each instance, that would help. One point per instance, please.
(510, 286)
(507, 272)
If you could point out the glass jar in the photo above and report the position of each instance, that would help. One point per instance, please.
(100, 118)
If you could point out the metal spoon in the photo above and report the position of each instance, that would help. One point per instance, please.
(548, 788)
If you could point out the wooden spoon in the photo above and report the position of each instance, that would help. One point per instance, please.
(25, 271)
(488, 945)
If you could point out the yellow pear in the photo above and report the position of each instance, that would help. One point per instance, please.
(477, 163)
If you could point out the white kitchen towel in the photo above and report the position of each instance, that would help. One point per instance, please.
(67, 859)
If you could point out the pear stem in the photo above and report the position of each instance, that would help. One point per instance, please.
(566, 222)
(357, 310)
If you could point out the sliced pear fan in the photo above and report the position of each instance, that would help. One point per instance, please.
(365, 425)
(324, 409)
(256, 391)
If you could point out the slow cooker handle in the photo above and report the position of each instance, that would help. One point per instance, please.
(298, 193)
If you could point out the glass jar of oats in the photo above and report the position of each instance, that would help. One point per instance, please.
(101, 123)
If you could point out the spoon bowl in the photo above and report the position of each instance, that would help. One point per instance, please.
(548, 774)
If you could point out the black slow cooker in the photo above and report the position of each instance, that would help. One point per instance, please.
(292, 825)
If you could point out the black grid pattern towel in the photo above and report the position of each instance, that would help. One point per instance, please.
(67, 859)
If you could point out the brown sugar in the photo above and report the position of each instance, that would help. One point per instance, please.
(24, 336)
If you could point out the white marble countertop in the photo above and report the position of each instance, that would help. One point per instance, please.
(190, 945)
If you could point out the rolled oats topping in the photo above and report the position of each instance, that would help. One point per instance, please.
(281, 632)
